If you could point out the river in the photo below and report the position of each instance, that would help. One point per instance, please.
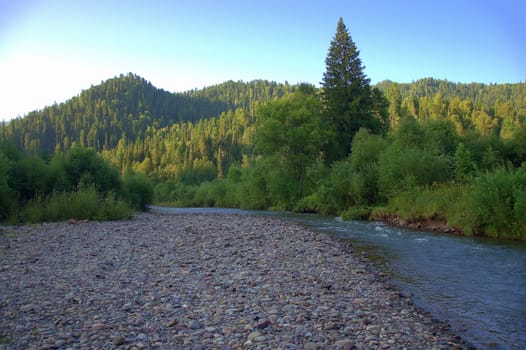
(477, 285)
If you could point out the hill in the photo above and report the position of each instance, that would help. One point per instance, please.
(126, 106)
(133, 123)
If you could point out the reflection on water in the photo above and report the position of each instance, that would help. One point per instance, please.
(479, 285)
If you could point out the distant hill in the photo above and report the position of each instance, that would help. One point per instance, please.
(128, 105)
(131, 110)
(479, 94)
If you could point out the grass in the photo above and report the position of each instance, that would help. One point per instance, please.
(79, 205)
(494, 206)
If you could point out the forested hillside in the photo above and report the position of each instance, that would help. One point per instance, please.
(427, 150)
(496, 109)
(127, 107)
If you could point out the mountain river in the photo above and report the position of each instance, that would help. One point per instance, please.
(477, 285)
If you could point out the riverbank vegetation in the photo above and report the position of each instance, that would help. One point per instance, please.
(80, 186)
(428, 151)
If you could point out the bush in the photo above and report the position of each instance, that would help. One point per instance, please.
(204, 196)
(85, 168)
(404, 169)
(5, 201)
(83, 204)
(27, 177)
(366, 149)
(164, 192)
(357, 213)
(137, 189)
(497, 203)
(445, 201)
(252, 192)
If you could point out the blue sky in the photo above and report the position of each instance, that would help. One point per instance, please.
(52, 50)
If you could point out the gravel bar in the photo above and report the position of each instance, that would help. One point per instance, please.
(199, 281)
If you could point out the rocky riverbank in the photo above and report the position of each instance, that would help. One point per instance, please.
(433, 224)
(197, 281)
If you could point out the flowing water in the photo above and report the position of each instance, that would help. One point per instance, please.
(478, 285)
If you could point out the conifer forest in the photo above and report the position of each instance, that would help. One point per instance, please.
(430, 150)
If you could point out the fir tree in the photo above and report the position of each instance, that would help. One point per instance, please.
(347, 93)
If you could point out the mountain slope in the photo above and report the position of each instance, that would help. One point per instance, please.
(128, 105)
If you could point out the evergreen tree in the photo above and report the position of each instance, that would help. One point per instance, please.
(347, 93)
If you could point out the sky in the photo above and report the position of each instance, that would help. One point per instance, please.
(51, 50)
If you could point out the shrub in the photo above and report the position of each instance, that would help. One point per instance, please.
(444, 201)
(85, 168)
(357, 213)
(137, 189)
(5, 202)
(404, 169)
(496, 204)
(27, 177)
(82, 204)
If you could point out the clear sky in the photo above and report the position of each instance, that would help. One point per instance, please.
(50, 50)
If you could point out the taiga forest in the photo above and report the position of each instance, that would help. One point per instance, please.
(427, 151)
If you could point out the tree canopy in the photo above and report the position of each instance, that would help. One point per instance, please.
(347, 94)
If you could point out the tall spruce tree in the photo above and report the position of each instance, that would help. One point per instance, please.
(347, 94)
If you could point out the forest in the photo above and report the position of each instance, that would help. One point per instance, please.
(427, 150)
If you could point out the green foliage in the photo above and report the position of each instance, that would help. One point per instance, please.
(366, 149)
(138, 189)
(81, 185)
(164, 192)
(336, 192)
(252, 192)
(357, 213)
(28, 176)
(290, 135)
(4, 187)
(262, 145)
(518, 144)
(402, 169)
(82, 204)
(496, 204)
(85, 168)
(410, 134)
(440, 136)
(445, 202)
(350, 104)
(464, 165)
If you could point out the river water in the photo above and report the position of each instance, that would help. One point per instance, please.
(477, 285)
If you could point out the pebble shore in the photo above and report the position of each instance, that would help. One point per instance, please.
(196, 281)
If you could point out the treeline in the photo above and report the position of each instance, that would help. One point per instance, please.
(81, 185)
(127, 107)
(489, 109)
(419, 171)
(424, 168)
(429, 150)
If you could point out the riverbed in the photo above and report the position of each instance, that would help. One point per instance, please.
(476, 284)
(200, 281)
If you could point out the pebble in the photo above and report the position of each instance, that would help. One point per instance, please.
(196, 281)
(118, 340)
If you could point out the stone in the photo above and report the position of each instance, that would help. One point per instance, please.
(253, 335)
(373, 329)
(172, 322)
(260, 339)
(98, 326)
(330, 326)
(60, 342)
(142, 337)
(118, 340)
(267, 284)
(345, 344)
(195, 325)
(261, 324)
